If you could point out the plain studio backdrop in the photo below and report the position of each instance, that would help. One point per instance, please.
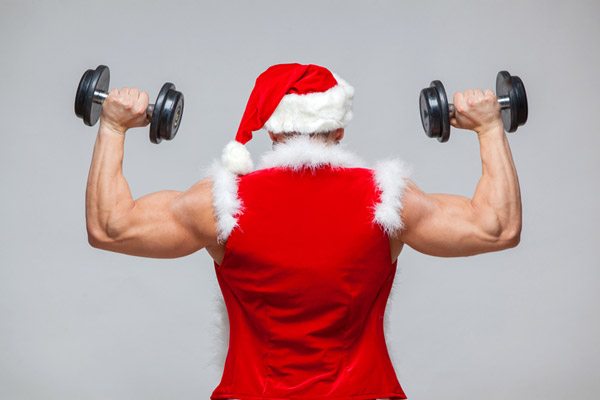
(81, 323)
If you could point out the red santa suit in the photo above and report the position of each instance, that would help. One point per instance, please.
(307, 271)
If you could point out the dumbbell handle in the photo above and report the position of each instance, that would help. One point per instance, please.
(100, 96)
(503, 100)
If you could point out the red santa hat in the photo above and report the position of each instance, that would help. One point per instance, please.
(290, 98)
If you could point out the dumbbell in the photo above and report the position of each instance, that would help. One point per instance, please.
(436, 111)
(165, 113)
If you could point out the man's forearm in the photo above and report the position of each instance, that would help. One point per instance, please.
(498, 189)
(107, 190)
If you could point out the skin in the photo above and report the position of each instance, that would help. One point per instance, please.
(170, 224)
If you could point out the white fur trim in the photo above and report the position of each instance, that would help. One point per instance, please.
(390, 178)
(314, 112)
(219, 331)
(225, 199)
(303, 151)
(236, 158)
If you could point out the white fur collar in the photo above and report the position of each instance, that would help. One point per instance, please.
(302, 151)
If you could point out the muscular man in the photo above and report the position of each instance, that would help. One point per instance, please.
(305, 247)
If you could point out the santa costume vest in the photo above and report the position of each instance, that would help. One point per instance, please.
(307, 273)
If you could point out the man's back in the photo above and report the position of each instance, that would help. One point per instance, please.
(306, 276)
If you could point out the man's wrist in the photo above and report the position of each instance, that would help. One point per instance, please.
(492, 131)
(108, 129)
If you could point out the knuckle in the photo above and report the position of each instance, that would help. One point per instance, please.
(113, 95)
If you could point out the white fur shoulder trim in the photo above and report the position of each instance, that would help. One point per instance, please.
(390, 178)
(228, 206)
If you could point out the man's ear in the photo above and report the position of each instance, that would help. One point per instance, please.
(339, 134)
(272, 136)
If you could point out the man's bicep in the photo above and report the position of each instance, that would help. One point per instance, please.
(446, 225)
(165, 224)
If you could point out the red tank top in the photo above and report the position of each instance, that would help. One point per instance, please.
(305, 277)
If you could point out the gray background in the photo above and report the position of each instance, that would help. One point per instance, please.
(81, 323)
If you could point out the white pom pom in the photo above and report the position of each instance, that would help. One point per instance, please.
(236, 158)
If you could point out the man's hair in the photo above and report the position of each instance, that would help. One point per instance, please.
(319, 135)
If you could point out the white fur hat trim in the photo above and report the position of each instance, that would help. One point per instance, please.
(314, 112)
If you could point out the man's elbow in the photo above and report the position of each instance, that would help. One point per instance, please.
(501, 233)
(97, 238)
(510, 237)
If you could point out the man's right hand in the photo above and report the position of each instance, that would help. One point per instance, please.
(477, 111)
(124, 109)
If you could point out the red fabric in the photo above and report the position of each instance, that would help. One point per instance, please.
(272, 85)
(306, 276)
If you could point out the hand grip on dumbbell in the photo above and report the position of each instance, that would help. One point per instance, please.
(165, 114)
(436, 111)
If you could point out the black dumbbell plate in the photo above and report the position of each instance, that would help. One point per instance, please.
(82, 88)
(435, 117)
(522, 107)
(513, 88)
(430, 112)
(92, 80)
(166, 117)
(444, 111)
